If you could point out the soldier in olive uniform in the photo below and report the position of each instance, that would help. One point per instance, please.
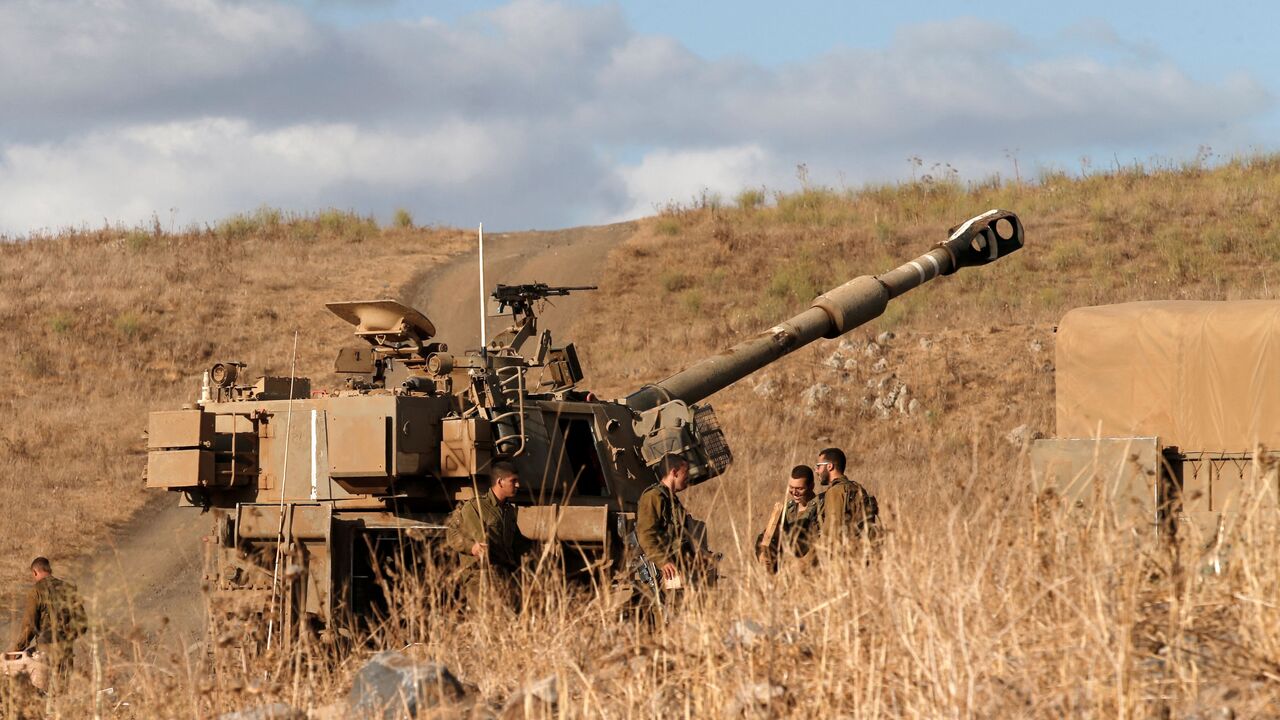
(663, 525)
(793, 525)
(53, 619)
(483, 533)
(849, 511)
(801, 515)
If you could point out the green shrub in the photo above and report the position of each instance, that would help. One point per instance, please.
(60, 323)
(1219, 240)
(884, 232)
(1067, 255)
(675, 281)
(403, 219)
(128, 324)
(692, 301)
(1049, 297)
(264, 220)
(346, 225)
(138, 240)
(901, 310)
(750, 199)
(1181, 263)
(236, 227)
(668, 225)
(807, 206)
(769, 309)
(267, 218)
(795, 280)
(304, 231)
(333, 221)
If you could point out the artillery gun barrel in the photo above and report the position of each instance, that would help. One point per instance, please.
(981, 240)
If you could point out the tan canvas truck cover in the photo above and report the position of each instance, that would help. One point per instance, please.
(1200, 375)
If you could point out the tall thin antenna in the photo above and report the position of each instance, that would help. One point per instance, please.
(284, 476)
(484, 335)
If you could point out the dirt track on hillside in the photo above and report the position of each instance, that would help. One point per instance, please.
(149, 575)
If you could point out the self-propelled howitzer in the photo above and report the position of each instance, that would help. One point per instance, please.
(313, 493)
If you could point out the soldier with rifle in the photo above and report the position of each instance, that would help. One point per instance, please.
(666, 533)
(849, 512)
(484, 535)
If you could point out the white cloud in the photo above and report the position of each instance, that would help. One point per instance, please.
(105, 52)
(207, 169)
(665, 177)
(536, 113)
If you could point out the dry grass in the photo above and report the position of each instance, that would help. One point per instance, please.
(984, 600)
(987, 604)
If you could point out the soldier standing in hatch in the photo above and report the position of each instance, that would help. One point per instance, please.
(483, 532)
(663, 525)
(849, 512)
(53, 619)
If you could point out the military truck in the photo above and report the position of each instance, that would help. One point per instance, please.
(312, 491)
(1166, 411)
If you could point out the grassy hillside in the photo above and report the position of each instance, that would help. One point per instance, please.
(983, 601)
(974, 350)
(103, 326)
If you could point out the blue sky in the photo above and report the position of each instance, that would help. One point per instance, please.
(1209, 38)
(538, 113)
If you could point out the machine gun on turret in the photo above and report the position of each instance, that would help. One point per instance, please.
(520, 299)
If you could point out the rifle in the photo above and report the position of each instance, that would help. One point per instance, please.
(646, 572)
